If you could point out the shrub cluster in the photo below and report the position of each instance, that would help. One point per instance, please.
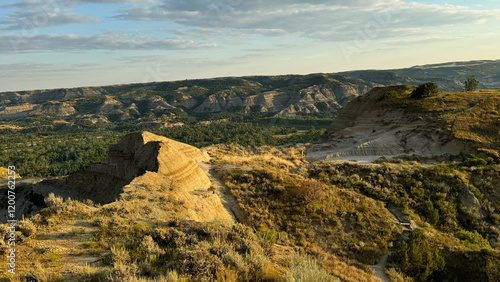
(425, 90)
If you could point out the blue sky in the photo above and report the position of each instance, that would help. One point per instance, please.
(70, 43)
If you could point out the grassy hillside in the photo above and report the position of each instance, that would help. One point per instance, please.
(433, 219)
(471, 117)
(449, 76)
(324, 221)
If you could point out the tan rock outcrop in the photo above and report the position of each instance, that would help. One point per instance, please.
(60, 109)
(365, 132)
(13, 112)
(144, 159)
(110, 105)
(140, 152)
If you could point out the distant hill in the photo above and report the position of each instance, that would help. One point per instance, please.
(387, 122)
(282, 95)
(286, 95)
(449, 76)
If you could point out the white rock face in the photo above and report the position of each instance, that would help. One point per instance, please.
(54, 108)
(109, 106)
(364, 132)
(308, 100)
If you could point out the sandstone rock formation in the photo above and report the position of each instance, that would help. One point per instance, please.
(142, 161)
(365, 132)
(312, 99)
(133, 156)
(109, 106)
(14, 112)
(60, 109)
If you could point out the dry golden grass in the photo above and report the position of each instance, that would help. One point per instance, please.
(347, 272)
(4, 173)
(10, 126)
(262, 157)
(55, 253)
(468, 116)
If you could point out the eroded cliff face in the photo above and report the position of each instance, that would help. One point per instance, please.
(15, 112)
(140, 152)
(364, 132)
(313, 99)
(60, 109)
(276, 95)
(138, 162)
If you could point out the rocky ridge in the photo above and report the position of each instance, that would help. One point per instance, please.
(280, 96)
(139, 161)
(365, 130)
(285, 95)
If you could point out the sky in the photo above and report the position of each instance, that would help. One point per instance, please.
(71, 43)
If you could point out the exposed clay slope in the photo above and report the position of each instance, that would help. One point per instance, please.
(386, 122)
(14, 112)
(133, 156)
(330, 94)
(143, 161)
(110, 105)
(54, 108)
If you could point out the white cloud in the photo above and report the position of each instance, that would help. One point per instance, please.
(324, 20)
(32, 19)
(29, 4)
(23, 67)
(72, 42)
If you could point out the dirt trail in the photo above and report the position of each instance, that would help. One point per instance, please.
(379, 268)
(228, 200)
(67, 241)
(408, 226)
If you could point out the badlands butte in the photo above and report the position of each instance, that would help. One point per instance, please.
(392, 189)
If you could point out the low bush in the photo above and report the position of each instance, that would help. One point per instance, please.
(473, 240)
(425, 90)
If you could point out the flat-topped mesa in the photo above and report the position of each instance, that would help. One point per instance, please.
(137, 153)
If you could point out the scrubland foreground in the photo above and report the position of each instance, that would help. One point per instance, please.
(326, 221)
(160, 210)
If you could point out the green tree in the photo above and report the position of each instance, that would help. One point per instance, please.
(471, 84)
(425, 90)
(430, 212)
(417, 258)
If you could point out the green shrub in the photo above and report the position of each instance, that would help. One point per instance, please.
(425, 90)
(304, 270)
(307, 191)
(471, 83)
(198, 262)
(267, 234)
(119, 255)
(475, 161)
(430, 212)
(53, 201)
(417, 258)
(389, 95)
(473, 239)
